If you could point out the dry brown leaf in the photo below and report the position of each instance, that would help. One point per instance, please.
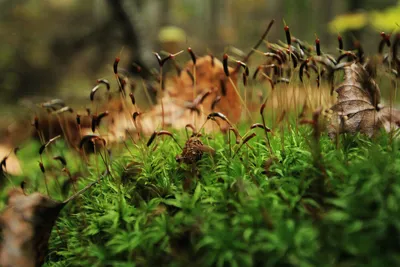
(210, 77)
(12, 164)
(358, 107)
(26, 225)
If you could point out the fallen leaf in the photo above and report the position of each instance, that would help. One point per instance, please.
(181, 93)
(26, 225)
(358, 107)
(210, 77)
(12, 164)
(181, 101)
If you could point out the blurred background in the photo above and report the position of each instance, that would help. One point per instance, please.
(58, 48)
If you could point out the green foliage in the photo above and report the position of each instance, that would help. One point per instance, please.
(234, 211)
(386, 20)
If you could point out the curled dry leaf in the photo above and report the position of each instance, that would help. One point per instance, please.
(26, 225)
(358, 107)
(12, 163)
(180, 100)
(209, 77)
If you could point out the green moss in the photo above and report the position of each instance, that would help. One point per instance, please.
(153, 211)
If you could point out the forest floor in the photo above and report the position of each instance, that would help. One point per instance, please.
(301, 202)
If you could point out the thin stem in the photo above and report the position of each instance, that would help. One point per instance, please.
(241, 99)
(162, 104)
(96, 161)
(194, 92)
(45, 182)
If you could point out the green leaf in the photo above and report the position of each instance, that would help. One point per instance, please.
(197, 194)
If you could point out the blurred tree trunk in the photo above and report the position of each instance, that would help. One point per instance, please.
(214, 24)
(353, 7)
(326, 17)
(127, 14)
(165, 12)
(227, 32)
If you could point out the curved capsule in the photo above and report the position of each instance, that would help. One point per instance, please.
(151, 139)
(115, 65)
(276, 69)
(122, 84)
(262, 108)
(287, 33)
(200, 98)
(244, 66)
(293, 57)
(384, 41)
(64, 109)
(43, 147)
(256, 72)
(212, 60)
(331, 59)
(41, 166)
(170, 56)
(36, 123)
(360, 51)
(217, 114)
(223, 87)
(215, 102)
(225, 64)
(53, 104)
(212, 116)
(192, 55)
(282, 80)
(298, 54)
(3, 163)
(135, 115)
(305, 65)
(159, 60)
(94, 123)
(237, 135)
(244, 79)
(132, 98)
(189, 125)
(318, 46)
(303, 47)
(93, 91)
(61, 159)
(248, 138)
(348, 54)
(340, 43)
(105, 82)
(163, 132)
(91, 137)
(274, 56)
(260, 125)
(100, 117)
(190, 75)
